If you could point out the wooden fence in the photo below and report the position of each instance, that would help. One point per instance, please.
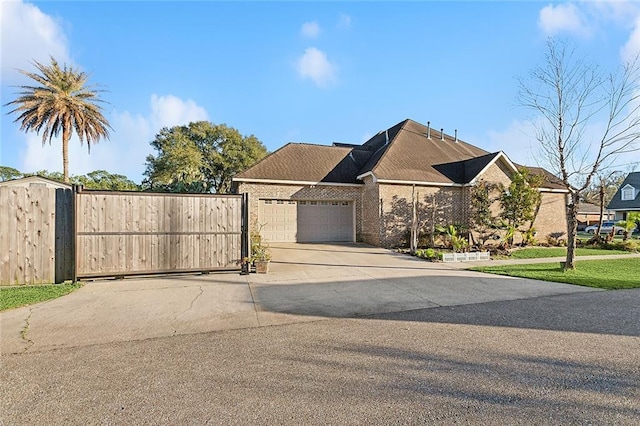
(52, 235)
(36, 238)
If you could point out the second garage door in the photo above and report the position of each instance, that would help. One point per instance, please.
(306, 221)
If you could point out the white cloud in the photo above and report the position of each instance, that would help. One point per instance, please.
(563, 17)
(168, 111)
(310, 29)
(28, 34)
(315, 65)
(128, 147)
(344, 21)
(632, 47)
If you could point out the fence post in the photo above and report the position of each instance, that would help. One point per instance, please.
(76, 189)
(244, 250)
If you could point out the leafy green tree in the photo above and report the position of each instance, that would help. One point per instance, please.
(520, 201)
(57, 176)
(8, 173)
(101, 179)
(200, 157)
(484, 216)
(62, 102)
(98, 179)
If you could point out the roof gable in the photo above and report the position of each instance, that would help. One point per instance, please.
(618, 203)
(36, 180)
(414, 151)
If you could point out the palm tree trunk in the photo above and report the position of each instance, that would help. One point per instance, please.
(66, 135)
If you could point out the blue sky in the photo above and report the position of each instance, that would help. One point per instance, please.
(314, 72)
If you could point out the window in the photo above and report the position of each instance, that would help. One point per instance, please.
(324, 203)
(313, 203)
(280, 202)
(345, 203)
(292, 202)
(302, 203)
(268, 201)
(628, 193)
(334, 203)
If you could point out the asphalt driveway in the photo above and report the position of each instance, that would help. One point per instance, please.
(306, 282)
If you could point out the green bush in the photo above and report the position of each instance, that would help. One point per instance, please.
(428, 253)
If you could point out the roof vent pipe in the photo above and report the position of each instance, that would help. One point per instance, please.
(456, 135)
(429, 129)
(441, 134)
(386, 137)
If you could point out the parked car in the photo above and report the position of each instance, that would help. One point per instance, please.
(607, 226)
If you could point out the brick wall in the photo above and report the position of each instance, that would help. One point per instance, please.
(436, 205)
(552, 217)
(259, 191)
(370, 212)
(383, 211)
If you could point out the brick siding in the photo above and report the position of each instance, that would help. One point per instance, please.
(436, 205)
(552, 217)
(383, 211)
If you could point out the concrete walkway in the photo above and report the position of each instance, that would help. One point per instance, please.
(307, 282)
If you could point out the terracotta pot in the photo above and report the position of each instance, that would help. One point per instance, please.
(262, 266)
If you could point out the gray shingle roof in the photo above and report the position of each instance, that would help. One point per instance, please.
(549, 180)
(617, 203)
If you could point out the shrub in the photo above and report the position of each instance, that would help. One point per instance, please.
(554, 240)
(429, 254)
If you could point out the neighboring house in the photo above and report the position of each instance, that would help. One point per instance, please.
(589, 214)
(35, 180)
(627, 198)
(345, 192)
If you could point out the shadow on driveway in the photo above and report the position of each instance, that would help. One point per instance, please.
(608, 312)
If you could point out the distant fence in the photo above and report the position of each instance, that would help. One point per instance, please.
(52, 235)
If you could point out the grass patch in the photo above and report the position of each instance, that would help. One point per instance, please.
(609, 274)
(14, 297)
(538, 252)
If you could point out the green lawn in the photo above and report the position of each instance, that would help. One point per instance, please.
(538, 252)
(608, 274)
(14, 297)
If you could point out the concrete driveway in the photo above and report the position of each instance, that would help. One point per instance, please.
(306, 282)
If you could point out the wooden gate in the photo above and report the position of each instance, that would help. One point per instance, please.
(129, 233)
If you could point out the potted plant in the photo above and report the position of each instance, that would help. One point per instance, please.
(260, 254)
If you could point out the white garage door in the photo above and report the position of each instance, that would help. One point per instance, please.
(306, 221)
(277, 220)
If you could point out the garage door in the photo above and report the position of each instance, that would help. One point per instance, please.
(277, 219)
(306, 221)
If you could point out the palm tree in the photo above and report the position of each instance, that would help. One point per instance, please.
(62, 102)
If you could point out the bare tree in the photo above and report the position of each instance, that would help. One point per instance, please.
(572, 99)
(601, 192)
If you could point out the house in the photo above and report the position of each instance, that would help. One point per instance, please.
(589, 214)
(627, 198)
(345, 192)
(29, 181)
